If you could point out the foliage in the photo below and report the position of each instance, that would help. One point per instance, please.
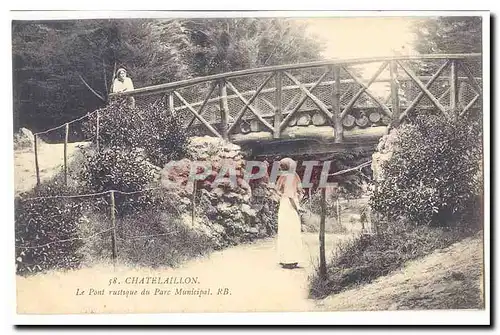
(221, 45)
(41, 223)
(147, 127)
(52, 59)
(433, 176)
(365, 258)
(115, 168)
(448, 34)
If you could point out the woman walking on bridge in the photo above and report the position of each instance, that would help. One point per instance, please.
(289, 242)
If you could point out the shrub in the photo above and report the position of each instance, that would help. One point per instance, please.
(123, 170)
(41, 224)
(147, 127)
(433, 175)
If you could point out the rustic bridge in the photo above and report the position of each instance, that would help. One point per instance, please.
(320, 107)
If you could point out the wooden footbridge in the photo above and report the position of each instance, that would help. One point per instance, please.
(319, 107)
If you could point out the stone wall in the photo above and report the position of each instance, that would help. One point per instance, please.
(229, 212)
(385, 149)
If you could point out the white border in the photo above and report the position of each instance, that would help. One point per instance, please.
(123, 14)
(342, 318)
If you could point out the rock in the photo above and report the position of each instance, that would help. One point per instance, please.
(231, 154)
(217, 192)
(253, 230)
(227, 210)
(24, 138)
(231, 147)
(233, 197)
(28, 134)
(385, 148)
(185, 201)
(246, 209)
(218, 228)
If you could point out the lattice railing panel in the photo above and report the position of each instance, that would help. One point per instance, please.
(466, 94)
(143, 101)
(247, 87)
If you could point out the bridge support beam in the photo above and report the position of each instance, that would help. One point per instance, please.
(453, 90)
(277, 105)
(336, 109)
(396, 111)
(224, 109)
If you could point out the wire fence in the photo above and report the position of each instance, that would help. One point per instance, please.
(112, 230)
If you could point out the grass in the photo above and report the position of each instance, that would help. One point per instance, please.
(368, 257)
(162, 239)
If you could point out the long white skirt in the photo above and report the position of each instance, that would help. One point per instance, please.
(289, 242)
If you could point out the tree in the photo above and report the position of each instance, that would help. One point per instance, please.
(449, 34)
(222, 45)
(63, 69)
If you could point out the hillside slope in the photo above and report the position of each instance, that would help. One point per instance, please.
(449, 278)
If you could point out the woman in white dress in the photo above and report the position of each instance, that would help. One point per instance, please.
(289, 242)
(122, 83)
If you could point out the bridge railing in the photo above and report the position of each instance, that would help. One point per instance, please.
(336, 97)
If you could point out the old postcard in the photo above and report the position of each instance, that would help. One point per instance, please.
(252, 163)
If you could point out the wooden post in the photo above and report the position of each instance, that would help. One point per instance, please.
(322, 257)
(224, 109)
(453, 90)
(277, 103)
(37, 168)
(396, 110)
(97, 131)
(170, 104)
(193, 211)
(114, 250)
(336, 110)
(66, 154)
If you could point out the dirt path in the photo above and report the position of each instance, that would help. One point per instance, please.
(50, 162)
(253, 280)
(248, 279)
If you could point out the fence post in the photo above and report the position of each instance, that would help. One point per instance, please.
(193, 211)
(322, 257)
(453, 90)
(336, 110)
(224, 109)
(277, 101)
(396, 111)
(339, 221)
(37, 168)
(97, 130)
(66, 154)
(114, 250)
